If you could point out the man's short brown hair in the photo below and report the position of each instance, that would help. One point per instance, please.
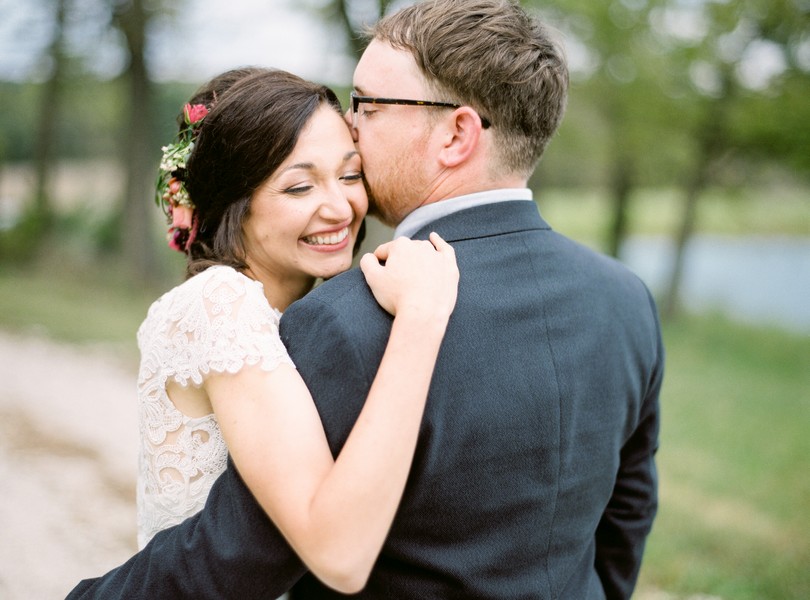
(494, 57)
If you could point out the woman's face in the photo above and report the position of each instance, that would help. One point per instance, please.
(304, 218)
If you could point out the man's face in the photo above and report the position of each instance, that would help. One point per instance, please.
(392, 139)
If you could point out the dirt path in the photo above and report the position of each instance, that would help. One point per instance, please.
(68, 453)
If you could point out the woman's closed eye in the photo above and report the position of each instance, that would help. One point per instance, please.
(352, 177)
(299, 189)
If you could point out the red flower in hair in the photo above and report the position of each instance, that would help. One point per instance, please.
(194, 113)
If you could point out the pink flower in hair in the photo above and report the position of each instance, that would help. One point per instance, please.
(174, 237)
(194, 113)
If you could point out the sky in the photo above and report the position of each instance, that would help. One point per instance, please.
(203, 39)
(206, 37)
(222, 34)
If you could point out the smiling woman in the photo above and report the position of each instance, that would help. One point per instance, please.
(305, 217)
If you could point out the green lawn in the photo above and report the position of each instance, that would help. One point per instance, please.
(74, 306)
(735, 488)
(734, 520)
(586, 215)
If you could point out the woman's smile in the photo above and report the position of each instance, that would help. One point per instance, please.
(335, 240)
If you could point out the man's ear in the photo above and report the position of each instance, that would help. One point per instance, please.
(461, 137)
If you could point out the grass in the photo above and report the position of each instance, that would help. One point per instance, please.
(735, 488)
(74, 306)
(586, 215)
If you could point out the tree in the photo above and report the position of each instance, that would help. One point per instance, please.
(716, 67)
(617, 76)
(132, 18)
(669, 73)
(352, 16)
(50, 104)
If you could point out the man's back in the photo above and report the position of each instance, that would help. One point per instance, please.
(545, 390)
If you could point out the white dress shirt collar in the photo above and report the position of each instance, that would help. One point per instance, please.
(431, 212)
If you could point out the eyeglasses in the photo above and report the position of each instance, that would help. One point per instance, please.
(358, 100)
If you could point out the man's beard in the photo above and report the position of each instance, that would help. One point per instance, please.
(381, 211)
(388, 196)
(373, 209)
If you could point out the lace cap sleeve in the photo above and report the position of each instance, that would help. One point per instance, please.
(218, 321)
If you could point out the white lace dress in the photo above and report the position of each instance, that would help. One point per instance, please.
(217, 321)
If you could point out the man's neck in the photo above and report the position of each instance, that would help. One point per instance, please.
(463, 186)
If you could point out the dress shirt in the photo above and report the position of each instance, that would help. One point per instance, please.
(431, 212)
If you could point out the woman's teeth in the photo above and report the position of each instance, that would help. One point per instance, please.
(329, 239)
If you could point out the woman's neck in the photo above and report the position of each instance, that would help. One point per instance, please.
(280, 291)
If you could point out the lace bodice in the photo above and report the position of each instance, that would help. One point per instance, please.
(217, 321)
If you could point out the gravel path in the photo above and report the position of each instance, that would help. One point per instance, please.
(68, 458)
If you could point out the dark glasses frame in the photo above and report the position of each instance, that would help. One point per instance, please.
(356, 101)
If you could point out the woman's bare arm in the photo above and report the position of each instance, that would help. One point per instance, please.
(336, 514)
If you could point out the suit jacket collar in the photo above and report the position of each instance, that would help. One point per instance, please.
(486, 220)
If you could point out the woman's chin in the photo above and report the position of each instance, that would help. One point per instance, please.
(335, 268)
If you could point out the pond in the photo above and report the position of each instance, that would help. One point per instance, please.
(759, 280)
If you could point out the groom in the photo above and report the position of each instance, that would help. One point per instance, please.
(534, 475)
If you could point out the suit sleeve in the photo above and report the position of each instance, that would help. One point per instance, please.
(230, 549)
(337, 344)
(628, 517)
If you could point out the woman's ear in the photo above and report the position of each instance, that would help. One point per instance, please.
(461, 137)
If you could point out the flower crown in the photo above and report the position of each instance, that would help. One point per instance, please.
(172, 196)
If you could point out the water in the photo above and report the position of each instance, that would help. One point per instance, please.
(760, 280)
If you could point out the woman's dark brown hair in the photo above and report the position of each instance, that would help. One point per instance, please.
(252, 127)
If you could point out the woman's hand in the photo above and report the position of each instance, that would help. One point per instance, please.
(419, 278)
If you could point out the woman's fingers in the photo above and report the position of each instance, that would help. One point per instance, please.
(421, 275)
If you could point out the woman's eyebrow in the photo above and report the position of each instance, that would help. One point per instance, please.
(307, 166)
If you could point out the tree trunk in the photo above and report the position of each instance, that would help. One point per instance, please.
(621, 184)
(353, 34)
(138, 148)
(686, 230)
(713, 148)
(49, 110)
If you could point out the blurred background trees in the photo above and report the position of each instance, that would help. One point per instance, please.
(688, 127)
(684, 95)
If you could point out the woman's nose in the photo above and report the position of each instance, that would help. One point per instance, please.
(336, 207)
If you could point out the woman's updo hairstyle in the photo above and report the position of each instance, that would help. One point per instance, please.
(250, 130)
(209, 93)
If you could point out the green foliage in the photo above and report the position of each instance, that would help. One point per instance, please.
(17, 120)
(774, 210)
(74, 305)
(736, 411)
(20, 243)
(92, 121)
(771, 127)
(169, 101)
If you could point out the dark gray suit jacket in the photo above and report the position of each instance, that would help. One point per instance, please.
(534, 475)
